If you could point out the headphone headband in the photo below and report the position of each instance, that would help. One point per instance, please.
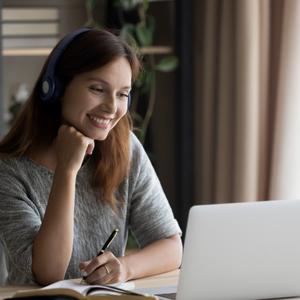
(50, 87)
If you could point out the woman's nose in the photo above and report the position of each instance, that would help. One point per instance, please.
(110, 104)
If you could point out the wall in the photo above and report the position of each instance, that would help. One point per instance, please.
(25, 69)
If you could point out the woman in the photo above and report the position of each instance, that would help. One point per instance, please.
(71, 171)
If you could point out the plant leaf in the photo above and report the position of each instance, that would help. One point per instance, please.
(145, 5)
(167, 64)
(144, 81)
(126, 4)
(144, 32)
(127, 33)
(91, 4)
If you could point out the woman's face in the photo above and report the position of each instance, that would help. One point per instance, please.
(95, 101)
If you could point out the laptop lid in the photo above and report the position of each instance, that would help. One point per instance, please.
(241, 251)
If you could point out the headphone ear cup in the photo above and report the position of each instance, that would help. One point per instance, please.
(46, 89)
(128, 101)
(50, 89)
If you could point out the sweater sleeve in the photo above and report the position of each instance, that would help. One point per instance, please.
(150, 217)
(19, 222)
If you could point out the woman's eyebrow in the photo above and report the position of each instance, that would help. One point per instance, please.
(102, 81)
(98, 80)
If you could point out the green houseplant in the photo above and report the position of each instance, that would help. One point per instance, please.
(138, 28)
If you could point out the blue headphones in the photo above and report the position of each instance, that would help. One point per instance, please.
(51, 87)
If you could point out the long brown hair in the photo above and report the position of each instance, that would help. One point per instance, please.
(37, 124)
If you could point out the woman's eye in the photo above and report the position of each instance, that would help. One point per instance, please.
(96, 89)
(124, 96)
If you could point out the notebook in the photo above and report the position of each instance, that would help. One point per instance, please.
(241, 251)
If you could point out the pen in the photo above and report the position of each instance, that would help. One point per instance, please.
(109, 241)
(106, 245)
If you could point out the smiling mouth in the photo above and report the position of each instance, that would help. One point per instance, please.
(101, 122)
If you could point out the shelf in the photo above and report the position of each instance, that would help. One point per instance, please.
(156, 50)
(46, 51)
(26, 52)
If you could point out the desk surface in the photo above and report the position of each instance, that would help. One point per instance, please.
(165, 279)
(157, 281)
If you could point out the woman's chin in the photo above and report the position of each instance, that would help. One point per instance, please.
(97, 137)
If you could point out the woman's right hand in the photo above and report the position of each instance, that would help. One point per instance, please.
(71, 148)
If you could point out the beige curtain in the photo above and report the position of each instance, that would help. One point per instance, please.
(240, 93)
(285, 171)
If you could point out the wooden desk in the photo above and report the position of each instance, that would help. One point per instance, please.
(157, 281)
(165, 279)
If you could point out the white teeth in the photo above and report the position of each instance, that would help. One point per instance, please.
(100, 121)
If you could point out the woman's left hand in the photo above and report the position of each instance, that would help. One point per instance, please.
(104, 269)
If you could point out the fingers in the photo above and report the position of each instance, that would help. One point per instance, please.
(103, 275)
(71, 147)
(82, 267)
(70, 134)
(90, 148)
(103, 269)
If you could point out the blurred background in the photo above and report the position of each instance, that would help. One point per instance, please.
(218, 105)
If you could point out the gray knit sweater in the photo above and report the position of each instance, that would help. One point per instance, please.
(24, 192)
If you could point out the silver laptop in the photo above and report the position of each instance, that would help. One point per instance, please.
(241, 251)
